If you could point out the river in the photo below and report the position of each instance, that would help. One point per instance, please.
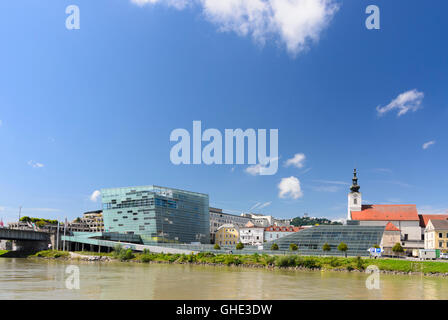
(46, 279)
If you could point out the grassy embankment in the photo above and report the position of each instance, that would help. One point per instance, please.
(263, 260)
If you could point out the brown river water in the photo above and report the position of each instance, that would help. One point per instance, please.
(47, 279)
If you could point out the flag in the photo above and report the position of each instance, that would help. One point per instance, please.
(1, 223)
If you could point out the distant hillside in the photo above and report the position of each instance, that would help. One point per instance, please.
(306, 221)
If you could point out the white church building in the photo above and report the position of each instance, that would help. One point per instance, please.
(404, 217)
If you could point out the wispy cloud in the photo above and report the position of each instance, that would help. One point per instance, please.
(293, 23)
(428, 209)
(342, 183)
(383, 170)
(297, 161)
(35, 164)
(255, 206)
(260, 205)
(258, 168)
(264, 205)
(426, 145)
(396, 182)
(407, 101)
(95, 195)
(290, 188)
(326, 188)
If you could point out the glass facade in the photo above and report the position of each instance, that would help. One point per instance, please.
(311, 240)
(157, 214)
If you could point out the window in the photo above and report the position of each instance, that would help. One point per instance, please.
(355, 201)
(440, 235)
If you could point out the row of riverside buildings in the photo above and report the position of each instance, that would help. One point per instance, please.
(152, 215)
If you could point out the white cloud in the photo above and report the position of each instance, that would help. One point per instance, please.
(35, 164)
(290, 187)
(297, 161)
(426, 145)
(256, 169)
(95, 195)
(295, 23)
(178, 4)
(407, 101)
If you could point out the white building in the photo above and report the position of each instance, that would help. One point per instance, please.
(251, 234)
(266, 221)
(404, 216)
(273, 233)
(219, 218)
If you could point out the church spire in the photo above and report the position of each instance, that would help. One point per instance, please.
(355, 187)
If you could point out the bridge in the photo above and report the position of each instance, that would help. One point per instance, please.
(23, 235)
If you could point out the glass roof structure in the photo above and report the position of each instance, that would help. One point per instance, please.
(310, 241)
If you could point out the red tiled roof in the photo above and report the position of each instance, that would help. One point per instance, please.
(390, 212)
(391, 227)
(424, 218)
(283, 229)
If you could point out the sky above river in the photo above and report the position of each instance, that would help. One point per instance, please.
(91, 108)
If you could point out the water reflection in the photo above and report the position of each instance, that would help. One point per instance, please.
(45, 279)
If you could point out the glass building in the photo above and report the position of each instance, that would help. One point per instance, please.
(311, 240)
(157, 214)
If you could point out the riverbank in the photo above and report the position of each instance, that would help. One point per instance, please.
(292, 262)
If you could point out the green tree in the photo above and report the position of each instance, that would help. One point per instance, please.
(326, 247)
(216, 247)
(239, 246)
(274, 246)
(397, 248)
(343, 248)
(376, 246)
(293, 247)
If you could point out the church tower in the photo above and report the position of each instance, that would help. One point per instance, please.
(354, 197)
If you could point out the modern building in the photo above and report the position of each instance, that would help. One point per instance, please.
(264, 221)
(91, 221)
(252, 234)
(94, 220)
(274, 232)
(219, 218)
(311, 240)
(436, 235)
(227, 235)
(157, 214)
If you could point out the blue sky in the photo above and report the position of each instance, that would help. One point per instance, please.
(93, 108)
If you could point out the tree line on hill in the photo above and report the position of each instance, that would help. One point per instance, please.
(307, 221)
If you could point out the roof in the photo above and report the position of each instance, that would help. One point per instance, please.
(283, 229)
(227, 225)
(391, 227)
(440, 224)
(389, 212)
(424, 218)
